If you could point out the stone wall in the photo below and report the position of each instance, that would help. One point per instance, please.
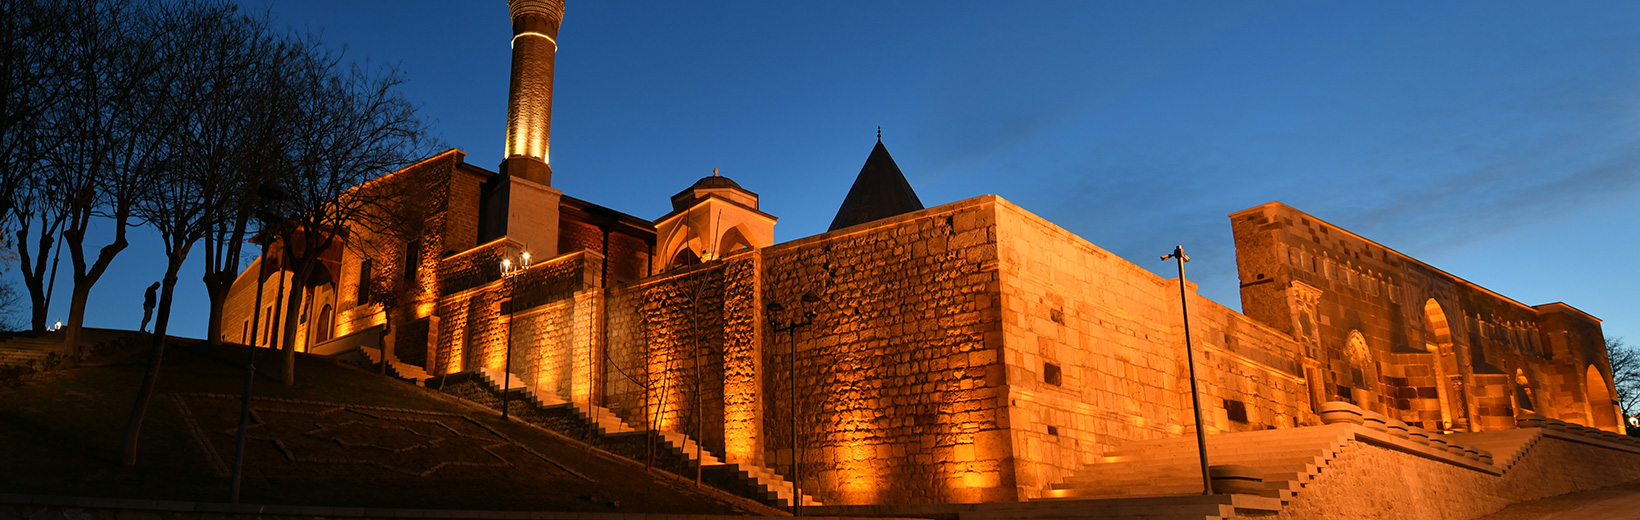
(1095, 355)
(476, 304)
(1399, 336)
(899, 377)
(659, 329)
(1369, 482)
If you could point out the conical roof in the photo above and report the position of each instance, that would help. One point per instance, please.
(880, 191)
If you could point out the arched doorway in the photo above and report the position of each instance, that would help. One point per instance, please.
(1448, 379)
(323, 334)
(1600, 401)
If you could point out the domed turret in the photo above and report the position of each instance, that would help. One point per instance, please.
(710, 219)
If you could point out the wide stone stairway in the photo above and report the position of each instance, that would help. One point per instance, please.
(1286, 459)
(38, 351)
(1162, 478)
(601, 427)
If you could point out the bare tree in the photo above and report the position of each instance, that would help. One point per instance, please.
(31, 72)
(354, 128)
(219, 63)
(116, 117)
(247, 154)
(1625, 361)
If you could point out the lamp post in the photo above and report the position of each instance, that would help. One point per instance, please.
(508, 273)
(1189, 357)
(269, 194)
(774, 310)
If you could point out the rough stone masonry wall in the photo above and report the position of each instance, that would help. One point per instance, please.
(556, 346)
(475, 305)
(1369, 483)
(432, 179)
(656, 329)
(1095, 355)
(899, 377)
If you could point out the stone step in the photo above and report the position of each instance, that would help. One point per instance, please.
(754, 482)
(773, 489)
(1244, 439)
(396, 368)
(27, 349)
(1323, 452)
(1190, 464)
(1287, 460)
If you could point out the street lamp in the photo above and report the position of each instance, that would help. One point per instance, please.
(774, 311)
(508, 273)
(269, 194)
(1195, 396)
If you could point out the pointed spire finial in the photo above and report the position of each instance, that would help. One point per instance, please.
(714, 172)
(879, 133)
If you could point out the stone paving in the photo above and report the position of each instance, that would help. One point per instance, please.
(1620, 502)
(296, 438)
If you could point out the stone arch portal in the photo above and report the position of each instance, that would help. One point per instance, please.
(1603, 412)
(1448, 378)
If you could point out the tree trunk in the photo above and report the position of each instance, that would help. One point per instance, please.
(217, 292)
(34, 275)
(292, 306)
(156, 354)
(221, 271)
(85, 278)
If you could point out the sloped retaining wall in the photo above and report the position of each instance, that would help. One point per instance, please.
(1367, 481)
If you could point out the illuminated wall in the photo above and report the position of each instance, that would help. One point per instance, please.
(899, 381)
(476, 304)
(1443, 352)
(963, 353)
(1094, 349)
(657, 328)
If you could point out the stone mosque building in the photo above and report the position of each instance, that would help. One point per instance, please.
(966, 352)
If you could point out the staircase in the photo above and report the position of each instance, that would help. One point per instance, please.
(607, 430)
(1287, 458)
(397, 369)
(28, 349)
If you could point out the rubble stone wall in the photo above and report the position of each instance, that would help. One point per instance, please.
(665, 353)
(899, 378)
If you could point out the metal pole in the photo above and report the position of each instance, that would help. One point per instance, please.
(699, 439)
(797, 459)
(250, 376)
(1189, 356)
(506, 373)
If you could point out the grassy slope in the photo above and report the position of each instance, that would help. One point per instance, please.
(60, 435)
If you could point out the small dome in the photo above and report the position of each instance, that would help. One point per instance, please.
(714, 181)
(722, 186)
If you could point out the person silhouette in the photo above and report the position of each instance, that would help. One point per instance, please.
(148, 305)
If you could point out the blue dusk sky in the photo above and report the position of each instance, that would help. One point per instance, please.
(1498, 141)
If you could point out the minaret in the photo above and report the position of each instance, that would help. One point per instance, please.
(529, 100)
(531, 201)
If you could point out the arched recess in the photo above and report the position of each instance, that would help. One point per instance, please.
(323, 333)
(1448, 379)
(1600, 400)
(1363, 374)
(1437, 332)
(684, 257)
(731, 241)
(1525, 398)
(681, 248)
